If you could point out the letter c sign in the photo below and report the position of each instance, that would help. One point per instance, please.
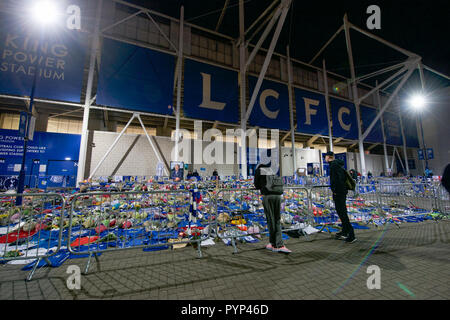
(344, 126)
(262, 102)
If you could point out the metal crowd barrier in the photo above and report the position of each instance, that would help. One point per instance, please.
(101, 222)
(240, 214)
(98, 222)
(442, 200)
(35, 227)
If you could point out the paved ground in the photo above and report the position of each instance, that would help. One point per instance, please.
(414, 262)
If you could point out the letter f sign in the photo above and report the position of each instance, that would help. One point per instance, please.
(308, 110)
(207, 103)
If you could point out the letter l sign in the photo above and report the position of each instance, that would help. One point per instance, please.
(207, 103)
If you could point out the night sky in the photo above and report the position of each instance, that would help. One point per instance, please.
(422, 27)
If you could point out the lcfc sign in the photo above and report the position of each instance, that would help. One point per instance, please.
(210, 93)
(271, 109)
(344, 119)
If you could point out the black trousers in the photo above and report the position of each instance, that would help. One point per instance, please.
(272, 208)
(341, 209)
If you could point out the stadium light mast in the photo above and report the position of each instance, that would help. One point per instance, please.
(418, 103)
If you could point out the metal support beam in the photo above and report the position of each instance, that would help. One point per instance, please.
(387, 43)
(162, 32)
(435, 72)
(286, 4)
(373, 146)
(355, 94)
(291, 111)
(386, 162)
(399, 158)
(166, 170)
(338, 140)
(311, 141)
(394, 94)
(242, 86)
(256, 22)
(376, 73)
(112, 146)
(327, 104)
(385, 82)
(326, 44)
(266, 20)
(84, 129)
(179, 76)
(263, 37)
(121, 21)
(287, 134)
(403, 137)
(222, 14)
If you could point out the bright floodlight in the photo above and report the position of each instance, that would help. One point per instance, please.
(417, 101)
(44, 12)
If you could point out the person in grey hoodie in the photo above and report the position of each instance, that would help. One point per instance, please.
(339, 189)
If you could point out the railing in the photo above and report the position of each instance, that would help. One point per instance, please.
(48, 228)
(33, 230)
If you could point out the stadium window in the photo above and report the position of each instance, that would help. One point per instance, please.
(64, 125)
(9, 121)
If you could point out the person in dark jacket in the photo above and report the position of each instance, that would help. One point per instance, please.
(272, 210)
(215, 175)
(446, 178)
(339, 189)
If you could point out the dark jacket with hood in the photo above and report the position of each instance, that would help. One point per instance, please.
(260, 179)
(446, 178)
(337, 177)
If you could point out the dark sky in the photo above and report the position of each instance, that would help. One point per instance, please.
(419, 26)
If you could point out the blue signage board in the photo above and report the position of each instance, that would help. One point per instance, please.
(410, 129)
(54, 56)
(430, 154)
(135, 78)
(344, 119)
(367, 117)
(271, 109)
(210, 93)
(420, 154)
(392, 129)
(53, 155)
(23, 124)
(311, 112)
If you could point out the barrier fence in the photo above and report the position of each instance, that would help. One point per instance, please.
(240, 214)
(154, 220)
(33, 230)
(48, 228)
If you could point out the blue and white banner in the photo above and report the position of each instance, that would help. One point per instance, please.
(392, 129)
(344, 119)
(135, 78)
(54, 56)
(311, 112)
(210, 93)
(367, 117)
(44, 147)
(271, 109)
(410, 130)
(50, 155)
